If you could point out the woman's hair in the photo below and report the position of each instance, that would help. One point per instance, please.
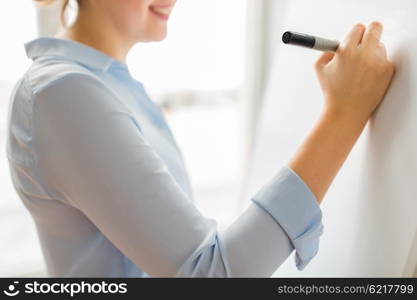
(63, 7)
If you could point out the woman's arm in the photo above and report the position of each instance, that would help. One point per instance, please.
(354, 81)
(91, 151)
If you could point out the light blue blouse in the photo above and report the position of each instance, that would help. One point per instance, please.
(93, 160)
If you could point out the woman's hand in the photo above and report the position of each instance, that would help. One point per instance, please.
(354, 81)
(356, 77)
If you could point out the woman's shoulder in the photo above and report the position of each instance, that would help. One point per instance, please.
(49, 72)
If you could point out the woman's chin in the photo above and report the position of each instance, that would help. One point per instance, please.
(155, 36)
(159, 35)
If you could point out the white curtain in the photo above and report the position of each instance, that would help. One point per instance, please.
(263, 19)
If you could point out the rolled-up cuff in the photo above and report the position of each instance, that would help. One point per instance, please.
(292, 204)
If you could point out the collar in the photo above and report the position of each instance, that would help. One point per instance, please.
(70, 50)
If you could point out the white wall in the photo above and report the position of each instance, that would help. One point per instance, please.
(370, 210)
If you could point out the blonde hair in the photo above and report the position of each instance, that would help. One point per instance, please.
(64, 4)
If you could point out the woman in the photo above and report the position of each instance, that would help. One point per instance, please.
(95, 163)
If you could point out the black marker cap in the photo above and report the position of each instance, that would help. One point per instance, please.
(300, 39)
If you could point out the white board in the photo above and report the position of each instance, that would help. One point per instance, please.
(370, 211)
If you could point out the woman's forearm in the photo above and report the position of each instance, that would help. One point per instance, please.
(325, 149)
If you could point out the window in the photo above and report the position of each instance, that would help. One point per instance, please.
(20, 253)
(196, 74)
(18, 25)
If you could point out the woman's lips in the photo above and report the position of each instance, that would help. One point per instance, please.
(161, 11)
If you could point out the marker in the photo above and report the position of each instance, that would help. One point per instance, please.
(309, 41)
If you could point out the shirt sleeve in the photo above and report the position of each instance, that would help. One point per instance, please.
(292, 204)
(91, 150)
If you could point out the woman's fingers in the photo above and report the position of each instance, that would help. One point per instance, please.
(373, 34)
(359, 77)
(354, 37)
(324, 59)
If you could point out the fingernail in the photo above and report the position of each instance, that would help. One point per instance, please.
(359, 26)
(376, 24)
